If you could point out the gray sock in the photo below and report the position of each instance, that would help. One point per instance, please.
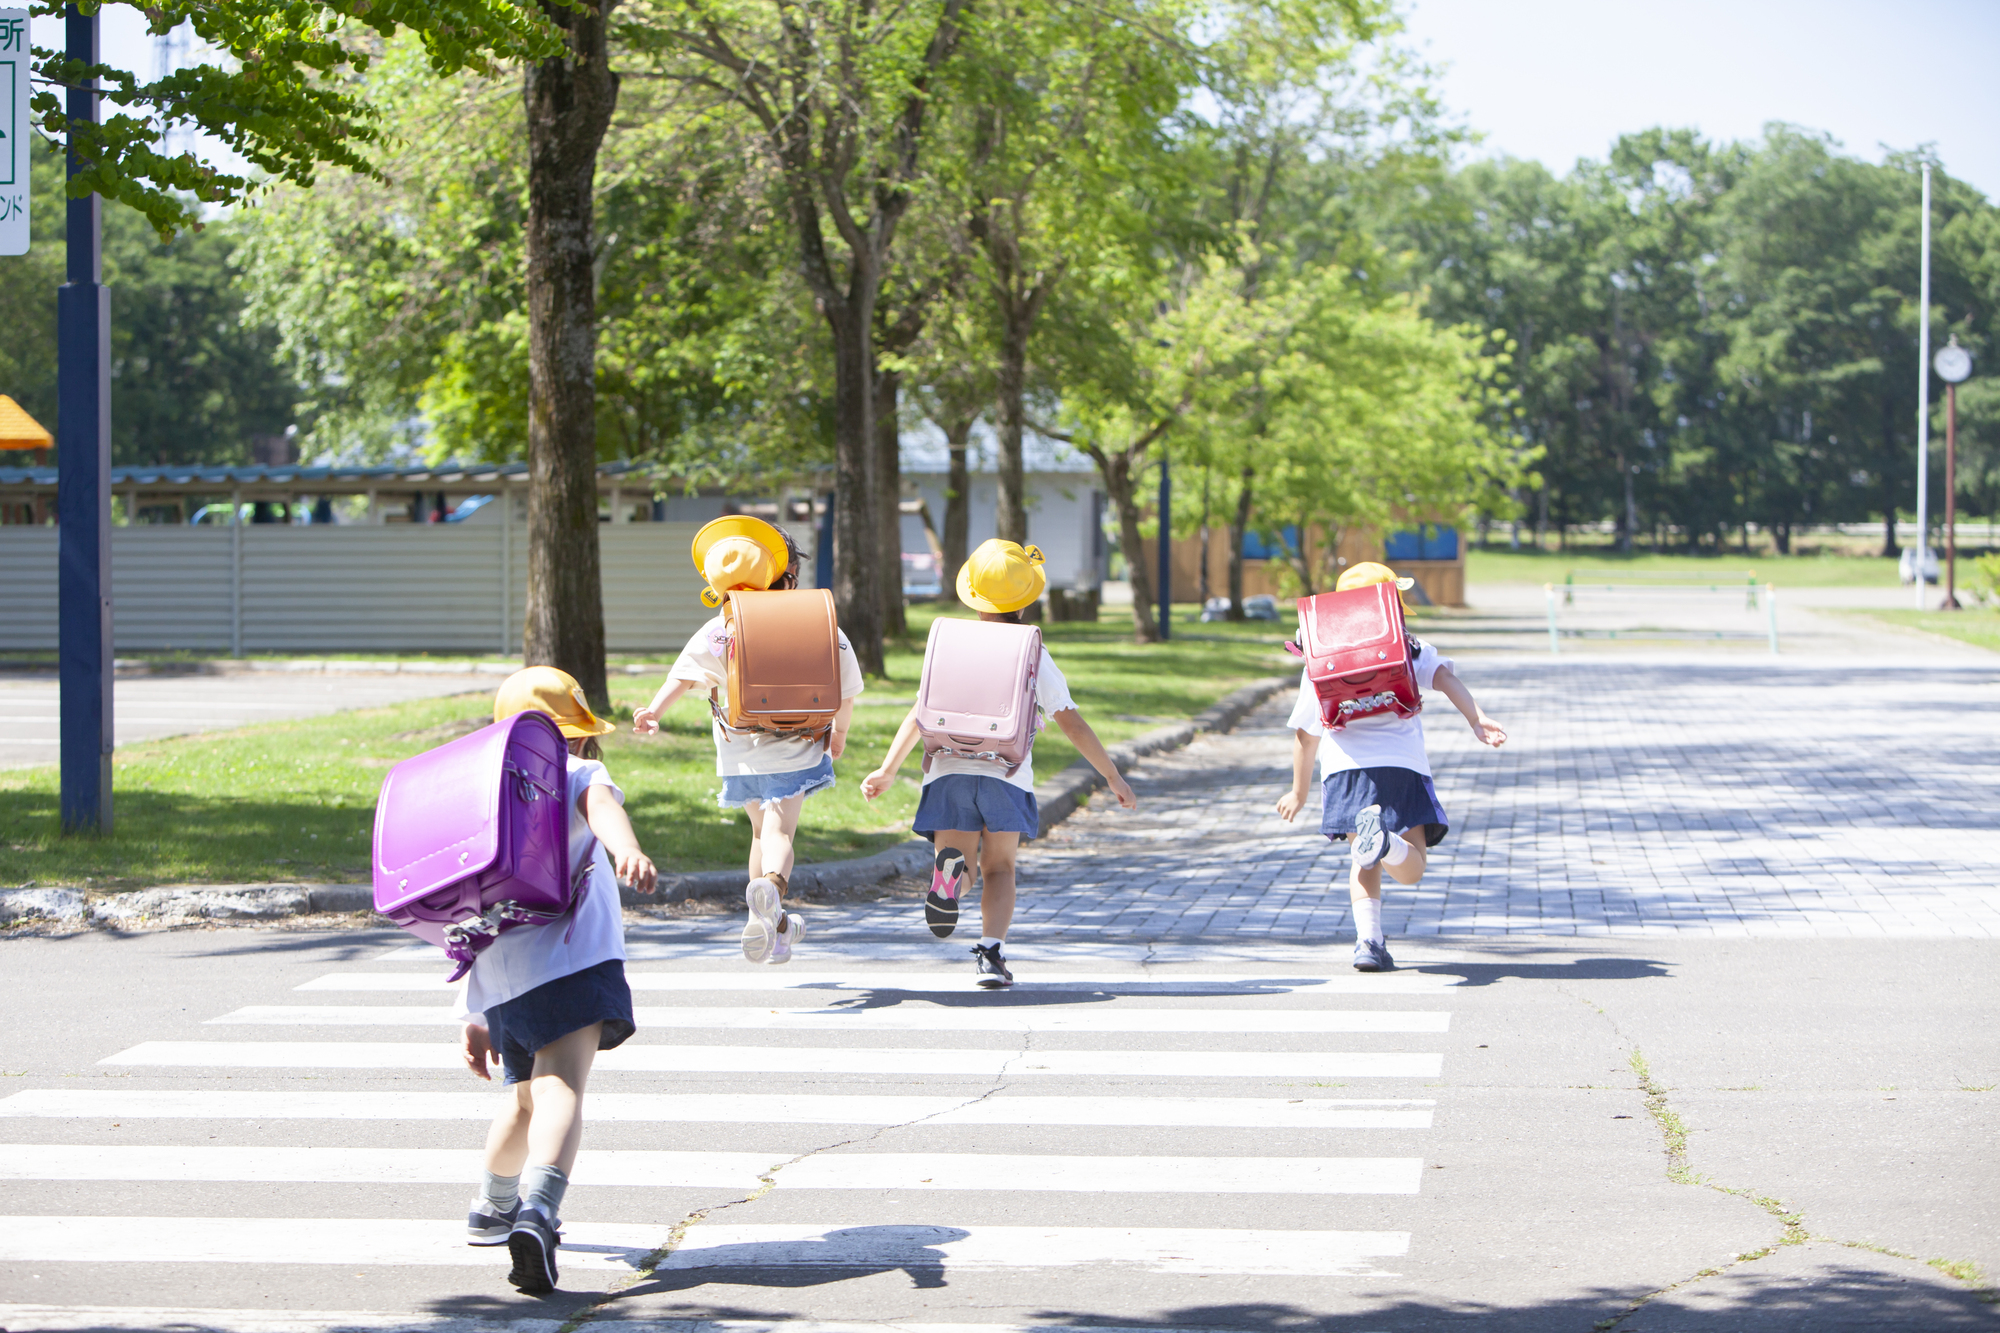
(542, 1189)
(499, 1192)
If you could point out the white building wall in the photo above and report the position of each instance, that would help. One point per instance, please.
(1064, 519)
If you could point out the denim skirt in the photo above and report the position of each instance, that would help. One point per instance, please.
(970, 802)
(519, 1027)
(1406, 796)
(776, 786)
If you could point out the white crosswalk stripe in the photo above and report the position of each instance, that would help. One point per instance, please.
(956, 1097)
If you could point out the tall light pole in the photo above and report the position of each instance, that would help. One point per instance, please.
(1923, 397)
(1166, 551)
(1953, 364)
(83, 484)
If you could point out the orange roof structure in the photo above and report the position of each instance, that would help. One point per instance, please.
(18, 430)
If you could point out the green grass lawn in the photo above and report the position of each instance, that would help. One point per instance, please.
(1787, 571)
(294, 800)
(1976, 625)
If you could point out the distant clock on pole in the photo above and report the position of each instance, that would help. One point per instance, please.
(1953, 363)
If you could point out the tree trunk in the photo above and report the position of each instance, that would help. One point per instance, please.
(856, 542)
(1237, 531)
(569, 101)
(957, 502)
(889, 501)
(1010, 516)
(1116, 469)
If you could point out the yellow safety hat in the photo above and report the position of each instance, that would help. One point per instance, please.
(1368, 573)
(547, 690)
(1001, 576)
(738, 551)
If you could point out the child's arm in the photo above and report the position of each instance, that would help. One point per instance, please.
(1485, 728)
(476, 1048)
(843, 718)
(899, 749)
(1086, 743)
(1303, 750)
(607, 819)
(647, 720)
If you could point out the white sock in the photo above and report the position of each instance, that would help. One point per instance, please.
(989, 942)
(542, 1188)
(500, 1192)
(1368, 919)
(1399, 851)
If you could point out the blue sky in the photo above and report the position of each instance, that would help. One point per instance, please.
(1556, 80)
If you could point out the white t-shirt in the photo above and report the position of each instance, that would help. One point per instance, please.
(530, 956)
(1051, 696)
(1380, 740)
(704, 663)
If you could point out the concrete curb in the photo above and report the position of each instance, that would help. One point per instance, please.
(1058, 798)
(126, 667)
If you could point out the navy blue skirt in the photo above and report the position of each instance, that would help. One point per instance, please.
(519, 1027)
(1406, 796)
(972, 803)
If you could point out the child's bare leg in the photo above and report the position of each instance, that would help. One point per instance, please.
(507, 1141)
(755, 810)
(1411, 868)
(773, 825)
(1363, 883)
(996, 873)
(562, 1067)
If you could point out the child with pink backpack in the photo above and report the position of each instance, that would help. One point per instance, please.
(543, 998)
(986, 688)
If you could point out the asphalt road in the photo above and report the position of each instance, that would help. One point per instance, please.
(244, 1129)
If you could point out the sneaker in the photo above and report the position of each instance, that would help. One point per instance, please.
(760, 932)
(1370, 956)
(483, 1227)
(1370, 839)
(941, 903)
(991, 967)
(784, 941)
(532, 1243)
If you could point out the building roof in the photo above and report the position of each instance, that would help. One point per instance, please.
(310, 479)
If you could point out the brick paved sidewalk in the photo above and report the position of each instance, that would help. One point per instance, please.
(1695, 794)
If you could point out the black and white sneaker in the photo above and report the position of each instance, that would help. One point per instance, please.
(1371, 956)
(532, 1243)
(991, 967)
(1370, 839)
(947, 883)
(485, 1227)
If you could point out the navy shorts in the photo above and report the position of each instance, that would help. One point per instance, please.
(1406, 796)
(968, 803)
(519, 1027)
(744, 787)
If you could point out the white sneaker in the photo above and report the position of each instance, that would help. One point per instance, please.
(760, 932)
(784, 942)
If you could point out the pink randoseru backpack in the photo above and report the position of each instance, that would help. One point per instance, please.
(977, 698)
(472, 838)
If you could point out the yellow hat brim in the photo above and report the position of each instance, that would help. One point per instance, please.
(741, 525)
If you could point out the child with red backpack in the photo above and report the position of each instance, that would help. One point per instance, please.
(769, 773)
(977, 801)
(542, 999)
(1376, 776)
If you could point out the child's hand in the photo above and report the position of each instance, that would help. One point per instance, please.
(875, 784)
(835, 744)
(646, 721)
(1123, 791)
(1488, 731)
(476, 1049)
(636, 868)
(1290, 804)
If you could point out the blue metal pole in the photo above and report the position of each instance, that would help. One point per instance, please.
(1166, 544)
(823, 546)
(83, 488)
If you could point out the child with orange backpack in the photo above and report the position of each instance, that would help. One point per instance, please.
(1375, 774)
(768, 763)
(979, 784)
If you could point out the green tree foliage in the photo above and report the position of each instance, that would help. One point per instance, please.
(192, 381)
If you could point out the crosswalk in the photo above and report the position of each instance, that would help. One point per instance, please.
(846, 1120)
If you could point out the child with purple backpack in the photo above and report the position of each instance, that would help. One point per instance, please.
(541, 1000)
(983, 806)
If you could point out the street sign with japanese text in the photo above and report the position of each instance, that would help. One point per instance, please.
(13, 131)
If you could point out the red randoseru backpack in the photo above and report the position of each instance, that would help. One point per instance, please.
(1358, 655)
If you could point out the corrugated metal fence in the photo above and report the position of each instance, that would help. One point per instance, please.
(276, 588)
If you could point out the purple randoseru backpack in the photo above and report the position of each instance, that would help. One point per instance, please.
(977, 696)
(472, 838)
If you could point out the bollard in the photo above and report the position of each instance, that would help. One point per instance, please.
(1771, 613)
(1555, 640)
